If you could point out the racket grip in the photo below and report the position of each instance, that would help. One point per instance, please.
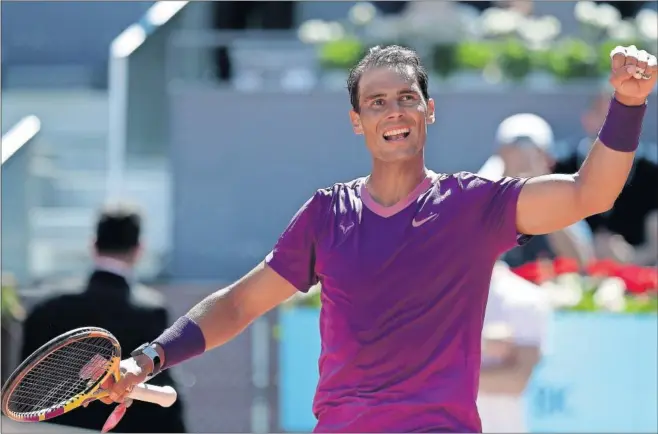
(164, 396)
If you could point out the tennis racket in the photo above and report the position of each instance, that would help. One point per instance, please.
(68, 372)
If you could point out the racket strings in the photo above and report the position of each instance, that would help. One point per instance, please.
(62, 375)
(36, 378)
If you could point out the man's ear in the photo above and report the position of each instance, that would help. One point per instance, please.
(431, 116)
(355, 119)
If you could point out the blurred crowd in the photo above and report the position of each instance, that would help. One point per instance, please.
(628, 233)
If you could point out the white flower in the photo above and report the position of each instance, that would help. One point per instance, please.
(497, 22)
(563, 295)
(311, 31)
(647, 23)
(610, 294)
(430, 21)
(362, 13)
(585, 12)
(318, 31)
(540, 30)
(607, 16)
(335, 30)
(623, 31)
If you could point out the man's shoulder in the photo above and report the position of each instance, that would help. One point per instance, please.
(342, 190)
(341, 186)
(465, 181)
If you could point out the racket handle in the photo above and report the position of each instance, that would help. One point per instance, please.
(164, 396)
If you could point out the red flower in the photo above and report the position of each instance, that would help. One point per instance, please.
(638, 279)
(603, 268)
(529, 271)
(536, 272)
(565, 266)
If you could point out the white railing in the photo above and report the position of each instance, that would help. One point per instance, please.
(19, 135)
(120, 50)
(18, 196)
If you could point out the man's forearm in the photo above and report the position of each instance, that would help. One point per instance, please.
(604, 172)
(215, 318)
(223, 315)
(219, 317)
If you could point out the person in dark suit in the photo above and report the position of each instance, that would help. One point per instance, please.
(111, 299)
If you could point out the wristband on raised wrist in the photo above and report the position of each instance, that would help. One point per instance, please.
(622, 127)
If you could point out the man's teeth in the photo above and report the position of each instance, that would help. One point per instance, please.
(396, 132)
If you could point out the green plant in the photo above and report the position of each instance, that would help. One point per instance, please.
(514, 59)
(444, 59)
(573, 58)
(10, 302)
(341, 54)
(475, 55)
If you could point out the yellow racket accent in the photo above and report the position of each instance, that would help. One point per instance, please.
(68, 372)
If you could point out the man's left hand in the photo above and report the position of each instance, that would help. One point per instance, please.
(633, 74)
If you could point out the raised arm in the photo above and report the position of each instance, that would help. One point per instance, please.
(552, 202)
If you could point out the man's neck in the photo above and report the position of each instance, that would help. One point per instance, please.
(389, 183)
(113, 265)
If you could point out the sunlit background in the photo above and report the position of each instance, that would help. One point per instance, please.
(189, 109)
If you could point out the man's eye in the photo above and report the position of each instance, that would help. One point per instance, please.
(378, 102)
(407, 97)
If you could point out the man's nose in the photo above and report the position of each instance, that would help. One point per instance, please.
(394, 111)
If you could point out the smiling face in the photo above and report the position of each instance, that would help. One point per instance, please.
(393, 114)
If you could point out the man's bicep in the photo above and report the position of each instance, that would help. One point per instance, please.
(293, 255)
(549, 203)
(289, 267)
(499, 199)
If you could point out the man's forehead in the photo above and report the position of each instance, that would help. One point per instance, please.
(388, 79)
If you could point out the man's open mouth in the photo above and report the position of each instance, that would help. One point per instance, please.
(397, 134)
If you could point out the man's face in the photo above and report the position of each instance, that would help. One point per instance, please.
(393, 113)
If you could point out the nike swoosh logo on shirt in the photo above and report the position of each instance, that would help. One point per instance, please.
(416, 223)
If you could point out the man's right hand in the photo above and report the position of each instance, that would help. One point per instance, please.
(133, 371)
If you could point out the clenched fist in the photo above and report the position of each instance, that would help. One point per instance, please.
(633, 74)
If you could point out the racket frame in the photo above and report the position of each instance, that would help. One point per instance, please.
(92, 392)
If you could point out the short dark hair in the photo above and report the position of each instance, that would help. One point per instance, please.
(118, 229)
(392, 55)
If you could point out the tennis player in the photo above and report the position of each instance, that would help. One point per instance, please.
(405, 257)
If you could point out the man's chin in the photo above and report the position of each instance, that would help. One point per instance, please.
(399, 154)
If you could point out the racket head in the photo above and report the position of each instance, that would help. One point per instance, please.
(63, 374)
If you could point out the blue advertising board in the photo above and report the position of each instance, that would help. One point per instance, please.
(599, 374)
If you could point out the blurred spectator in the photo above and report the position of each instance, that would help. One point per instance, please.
(627, 9)
(522, 6)
(628, 231)
(513, 334)
(112, 300)
(524, 146)
(390, 8)
(235, 15)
